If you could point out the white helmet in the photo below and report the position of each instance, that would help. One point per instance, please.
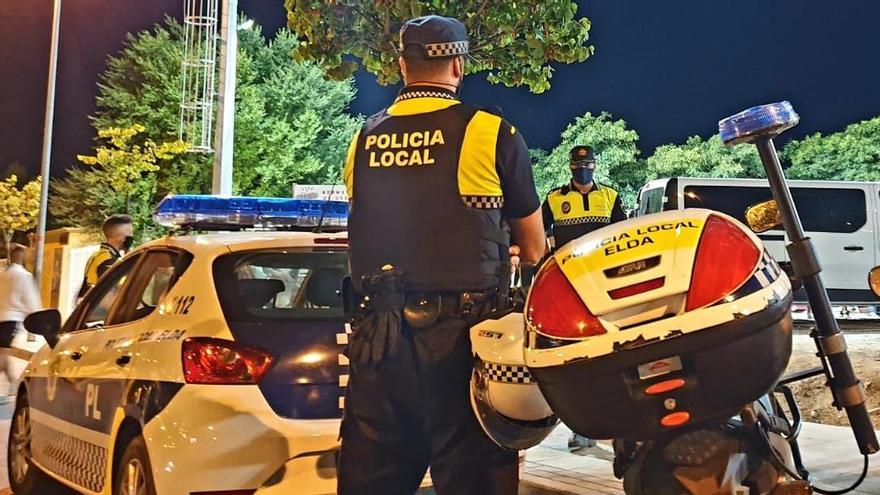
(506, 400)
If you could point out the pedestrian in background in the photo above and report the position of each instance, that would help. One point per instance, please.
(19, 297)
(118, 239)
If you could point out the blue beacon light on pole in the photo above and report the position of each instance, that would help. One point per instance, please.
(759, 125)
(235, 212)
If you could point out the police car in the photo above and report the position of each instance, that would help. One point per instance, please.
(199, 364)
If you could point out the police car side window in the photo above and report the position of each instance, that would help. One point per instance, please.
(149, 284)
(104, 295)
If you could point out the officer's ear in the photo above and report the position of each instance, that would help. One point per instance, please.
(402, 63)
(458, 67)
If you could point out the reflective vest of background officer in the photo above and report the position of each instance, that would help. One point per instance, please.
(118, 237)
(433, 185)
(581, 206)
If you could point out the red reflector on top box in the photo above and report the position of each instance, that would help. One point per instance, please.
(639, 288)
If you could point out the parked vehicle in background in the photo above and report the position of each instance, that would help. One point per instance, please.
(841, 218)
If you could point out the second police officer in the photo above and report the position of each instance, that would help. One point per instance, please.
(581, 206)
(439, 192)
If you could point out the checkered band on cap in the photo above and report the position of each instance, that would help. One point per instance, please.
(507, 373)
(483, 202)
(448, 49)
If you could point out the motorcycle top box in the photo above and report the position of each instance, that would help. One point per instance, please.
(666, 321)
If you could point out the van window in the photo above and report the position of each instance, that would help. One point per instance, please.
(820, 209)
(651, 201)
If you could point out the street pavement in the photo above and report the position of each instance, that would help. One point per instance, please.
(829, 452)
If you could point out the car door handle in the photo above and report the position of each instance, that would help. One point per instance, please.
(853, 248)
(123, 360)
(76, 355)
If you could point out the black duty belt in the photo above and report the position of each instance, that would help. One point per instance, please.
(423, 309)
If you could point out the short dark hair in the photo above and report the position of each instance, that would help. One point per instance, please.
(113, 221)
(17, 252)
(419, 66)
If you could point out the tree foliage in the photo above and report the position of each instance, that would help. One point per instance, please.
(514, 41)
(615, 147)
(291, 125)
(19, 207)
(852, 154)
(121, 177)
(699, 158)
(123, 163)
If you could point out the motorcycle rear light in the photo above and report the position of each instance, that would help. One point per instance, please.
(665, 387)
(726, 258)
(213, 361)
(675, 419)
(556, 310)
(639, 288)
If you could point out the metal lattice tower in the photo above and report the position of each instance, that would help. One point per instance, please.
(197, 87)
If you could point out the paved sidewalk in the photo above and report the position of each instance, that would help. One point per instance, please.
(830, 453)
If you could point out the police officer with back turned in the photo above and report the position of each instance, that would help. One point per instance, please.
(441, 196)
(583, 205)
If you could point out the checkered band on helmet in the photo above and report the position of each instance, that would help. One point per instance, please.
(507, 373)
(450, 49)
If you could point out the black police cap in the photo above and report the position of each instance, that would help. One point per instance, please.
(434, 36)
(580, 154)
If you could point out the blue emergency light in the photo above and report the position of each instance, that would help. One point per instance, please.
(758, 123)
(236, 212)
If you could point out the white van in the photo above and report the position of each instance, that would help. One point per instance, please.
(840, 217)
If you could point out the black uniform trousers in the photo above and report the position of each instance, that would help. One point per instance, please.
(7, 333)
(414, 412)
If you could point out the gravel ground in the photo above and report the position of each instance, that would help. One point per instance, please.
(815, 399)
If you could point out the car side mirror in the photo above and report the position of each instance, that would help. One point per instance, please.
(763, 216)
(46, 323)
(874, 280)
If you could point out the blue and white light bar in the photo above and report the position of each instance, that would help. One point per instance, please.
(758, 123)
(236, 212)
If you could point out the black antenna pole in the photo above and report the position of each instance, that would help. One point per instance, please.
(319, 227)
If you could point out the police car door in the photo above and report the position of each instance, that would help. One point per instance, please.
(106, 367)
(65, 438)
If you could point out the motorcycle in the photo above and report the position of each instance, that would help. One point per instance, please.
(669, 334)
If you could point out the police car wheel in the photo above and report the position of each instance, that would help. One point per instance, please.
(24, 477)
(134, 475)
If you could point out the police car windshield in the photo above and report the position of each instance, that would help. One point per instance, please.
(281, 285)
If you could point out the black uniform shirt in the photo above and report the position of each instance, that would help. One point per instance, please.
(416, 164)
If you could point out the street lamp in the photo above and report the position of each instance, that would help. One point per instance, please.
(47, 140)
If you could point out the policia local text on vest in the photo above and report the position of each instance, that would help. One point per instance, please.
(433, 184)
(570, 213)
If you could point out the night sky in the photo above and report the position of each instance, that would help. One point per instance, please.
(671, 69)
